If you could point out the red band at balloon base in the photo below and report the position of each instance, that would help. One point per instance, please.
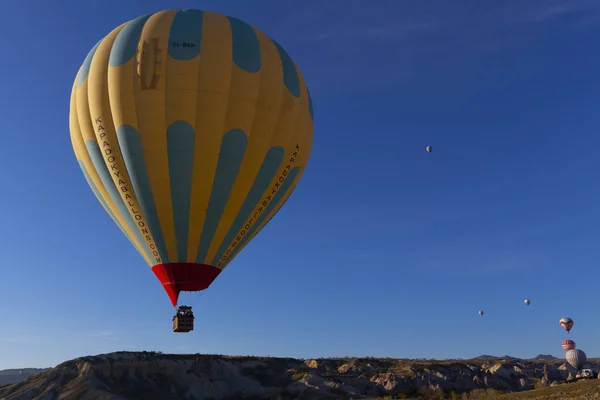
(184, 277)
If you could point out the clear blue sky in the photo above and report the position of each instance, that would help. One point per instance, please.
(384, 249)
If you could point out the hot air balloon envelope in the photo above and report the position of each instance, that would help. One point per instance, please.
(192, 129)
(568, 345)
(428, 148)
(576, 358)
(566, 323)
(480, 313)
(527, 302)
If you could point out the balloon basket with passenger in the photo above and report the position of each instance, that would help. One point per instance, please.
(183, 321)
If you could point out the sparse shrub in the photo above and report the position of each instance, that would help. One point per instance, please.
(337, 391)
(483, 394)
(430, 394)
(540, 384)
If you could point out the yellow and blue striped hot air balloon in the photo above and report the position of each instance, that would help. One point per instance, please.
(192, 128)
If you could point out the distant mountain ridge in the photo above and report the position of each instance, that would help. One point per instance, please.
(16, 375)
(545, 357)
(22, 371)
(488, 357)
(541, 357)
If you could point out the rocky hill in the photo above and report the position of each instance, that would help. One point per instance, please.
(148, 376)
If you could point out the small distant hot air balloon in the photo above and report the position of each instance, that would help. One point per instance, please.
(576, 358)
(566, 323)
(568, 345)
(481, 313)
(428, 148)
(527, 302)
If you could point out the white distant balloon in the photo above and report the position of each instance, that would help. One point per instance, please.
(480, 313)
(527, 302)
(576, 358)
(566, 323)
(428, 148)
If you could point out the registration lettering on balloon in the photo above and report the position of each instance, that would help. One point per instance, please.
(266, 201)
(129, 200)
(183, 44)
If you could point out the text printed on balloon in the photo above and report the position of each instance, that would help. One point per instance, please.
(183, 44)
(263, 205)
(129, 200)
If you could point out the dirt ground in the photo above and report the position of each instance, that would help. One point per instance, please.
(582, 390)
